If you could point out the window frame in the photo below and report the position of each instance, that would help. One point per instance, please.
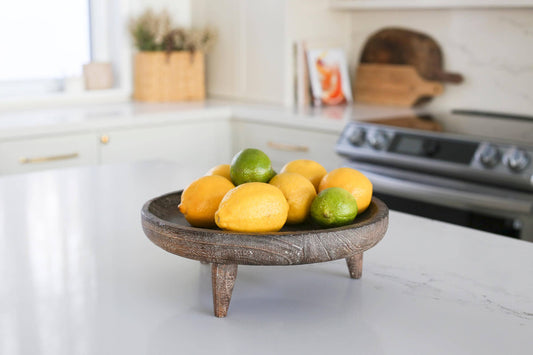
(109, 42)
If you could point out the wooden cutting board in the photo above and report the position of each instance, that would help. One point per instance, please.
(413, 122)
(398, 85)
(402, 46)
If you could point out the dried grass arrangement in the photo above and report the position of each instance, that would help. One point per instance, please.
(170, 63)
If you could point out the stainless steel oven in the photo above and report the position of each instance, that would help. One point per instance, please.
(483, 183)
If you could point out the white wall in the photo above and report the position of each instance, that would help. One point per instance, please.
(313, 21)
(180, 10)
(248, 62)
(493, 49)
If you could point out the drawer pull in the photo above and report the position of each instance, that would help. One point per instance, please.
(288, 147)
(104, 139)
(47, 159)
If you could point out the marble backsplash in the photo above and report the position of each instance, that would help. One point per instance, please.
(493, 49)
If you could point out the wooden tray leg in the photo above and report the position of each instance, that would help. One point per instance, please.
(222, 278)
(355, 265)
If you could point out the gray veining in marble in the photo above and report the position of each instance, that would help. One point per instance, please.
(79, 277)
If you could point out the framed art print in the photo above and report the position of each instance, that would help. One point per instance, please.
(328, 73)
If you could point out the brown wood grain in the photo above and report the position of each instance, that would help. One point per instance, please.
(409, 122)
(355, 265)
(164, 225)
(398, 85)
(223, 279)
(304, 244)
(407, 47)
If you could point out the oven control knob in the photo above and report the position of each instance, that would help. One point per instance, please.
(516, 159)
(490, 156)
(357, 137)
(377, 139)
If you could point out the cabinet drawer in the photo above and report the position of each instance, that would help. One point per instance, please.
(194, 145)
(283, 144)
(25, 155)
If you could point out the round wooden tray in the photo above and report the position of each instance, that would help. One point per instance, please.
(166, 227)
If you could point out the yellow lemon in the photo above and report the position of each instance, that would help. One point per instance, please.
(200, 200)
(221, 170)
(310, 169)
(352, 180)
(253, 207)
(299, 193)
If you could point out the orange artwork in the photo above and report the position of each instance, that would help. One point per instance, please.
(329, 77)
(331, 83)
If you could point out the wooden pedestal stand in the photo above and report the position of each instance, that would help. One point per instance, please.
(223, 279)
(304, 244)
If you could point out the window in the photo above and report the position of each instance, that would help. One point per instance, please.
(42, 43)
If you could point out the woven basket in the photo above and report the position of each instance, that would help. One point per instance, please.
(174, 76)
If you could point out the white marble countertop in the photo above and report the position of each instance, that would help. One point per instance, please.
(80, 277)
(82, 118)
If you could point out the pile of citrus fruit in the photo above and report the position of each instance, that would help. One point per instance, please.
(249, 196)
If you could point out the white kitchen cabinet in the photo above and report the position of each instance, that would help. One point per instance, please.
(194, 138)
(283, 144)
(30, 154)
(198, 144)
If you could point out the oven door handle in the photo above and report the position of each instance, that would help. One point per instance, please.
(450, 197)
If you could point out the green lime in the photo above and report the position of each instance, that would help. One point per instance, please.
(334, 207)
(250, 165)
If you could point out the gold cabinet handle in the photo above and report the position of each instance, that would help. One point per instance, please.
(104, 139)
(25, 160)
(288, 147)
